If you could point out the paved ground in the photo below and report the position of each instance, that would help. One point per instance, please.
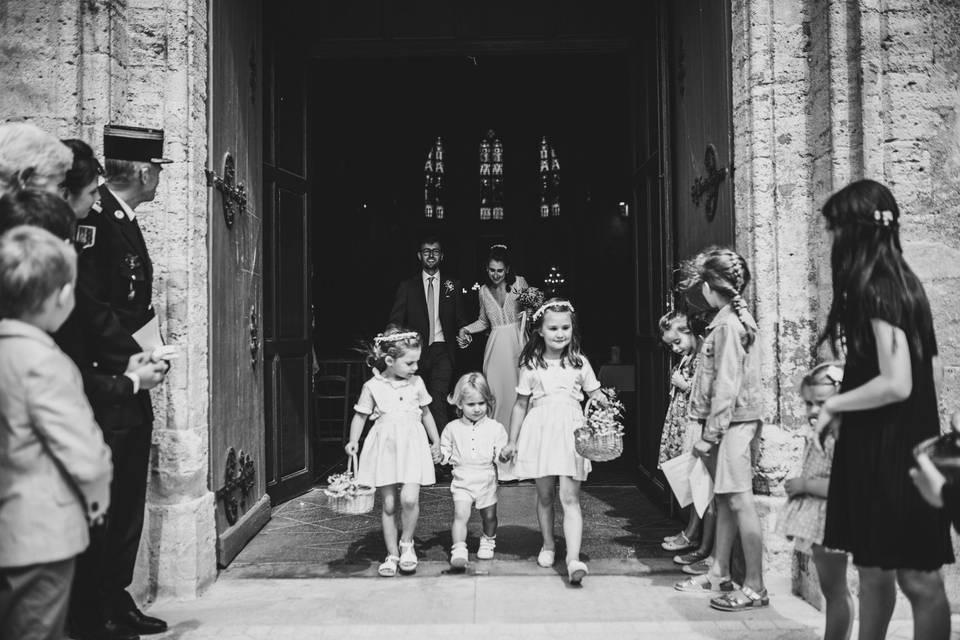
(280, 586)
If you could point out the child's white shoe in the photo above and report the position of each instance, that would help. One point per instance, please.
(546, 558)
(408, 557)
(458, 555)
(486, 548)
(576, 570)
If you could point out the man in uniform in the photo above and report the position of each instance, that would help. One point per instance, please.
(115, 319)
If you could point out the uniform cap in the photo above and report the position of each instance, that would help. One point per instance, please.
(133, 143)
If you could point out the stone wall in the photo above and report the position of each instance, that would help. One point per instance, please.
(71, 66)
(825, 92)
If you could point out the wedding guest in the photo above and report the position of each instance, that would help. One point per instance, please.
(37, 208)
(80, 188)
(499, 313)
(56, 467)
(31, 158)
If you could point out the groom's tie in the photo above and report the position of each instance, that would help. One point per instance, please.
(430, 309)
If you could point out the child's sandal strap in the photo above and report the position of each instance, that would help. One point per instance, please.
(388, 568)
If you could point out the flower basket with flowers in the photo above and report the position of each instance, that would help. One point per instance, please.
(601, 437)
(346, 495)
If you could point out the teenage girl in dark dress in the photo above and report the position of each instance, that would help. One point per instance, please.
(887, 404)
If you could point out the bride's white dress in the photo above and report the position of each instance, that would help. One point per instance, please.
(500, 359)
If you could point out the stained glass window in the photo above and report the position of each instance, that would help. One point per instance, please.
(433, 182)
(549, 180)
(491, 177)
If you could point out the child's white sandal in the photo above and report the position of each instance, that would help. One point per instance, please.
(487, 547)
(408, 557)
(388, 568)
(576, 570)
(459, 556)
(546, 558)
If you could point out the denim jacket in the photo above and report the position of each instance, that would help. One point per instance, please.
(726, 383)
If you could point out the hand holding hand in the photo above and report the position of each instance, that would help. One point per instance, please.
(464, 338)
(929, 480)
(701, 449)
(435, 453)
(795, 487)
(351, 448)
(508, 453)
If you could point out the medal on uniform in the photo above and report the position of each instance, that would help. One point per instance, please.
(86, 235)
(131, 262)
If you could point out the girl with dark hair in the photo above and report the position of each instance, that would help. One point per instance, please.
(499, 313)
(80, 187)
(888, 404)
(554, 377)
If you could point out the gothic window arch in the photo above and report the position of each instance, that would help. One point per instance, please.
(549, 180)
(433, 182)
(491, 177)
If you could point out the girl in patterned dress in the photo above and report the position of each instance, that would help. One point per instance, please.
(554, 376)
(680, 432)
(471, 444)
(397, 457)
(804, 516)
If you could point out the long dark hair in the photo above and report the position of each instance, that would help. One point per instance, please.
(500, 253)
(532, 354)
(870, 275)
(727, 273)
(86, 168)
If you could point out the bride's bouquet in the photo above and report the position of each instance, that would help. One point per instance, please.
(601, 437)
(346, 495)
(528, 301)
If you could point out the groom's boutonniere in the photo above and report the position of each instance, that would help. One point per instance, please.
(448, 288)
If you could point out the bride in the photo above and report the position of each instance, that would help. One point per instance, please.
(498, 312)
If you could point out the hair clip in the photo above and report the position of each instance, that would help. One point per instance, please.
(563, 304)
(498, 246)
(394, 337)
(883, 218)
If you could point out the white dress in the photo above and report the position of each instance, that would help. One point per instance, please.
(545, 446)
(396, 450)
(501, 356)
(472, 449)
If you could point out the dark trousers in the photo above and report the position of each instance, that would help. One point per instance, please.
(34, 600)
(105, 569)
(436, 369)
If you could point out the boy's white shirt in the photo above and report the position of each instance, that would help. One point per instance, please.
(489, 435)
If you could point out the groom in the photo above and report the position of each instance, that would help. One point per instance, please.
(430, 304)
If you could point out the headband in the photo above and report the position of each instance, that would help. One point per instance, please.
(563, 304)
(394, 337)
(498, 246)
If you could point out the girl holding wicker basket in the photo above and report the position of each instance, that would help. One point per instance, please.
(397, 457)
(554, 375)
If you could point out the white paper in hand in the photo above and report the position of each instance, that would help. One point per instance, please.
(701, 487)
(148, 336)
(678, 471)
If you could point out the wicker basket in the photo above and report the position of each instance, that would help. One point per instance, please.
(598, 448)
(355, 503)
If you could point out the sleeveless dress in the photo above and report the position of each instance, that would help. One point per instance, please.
(396, 450)
(545, 446)
(501, 356)
(803, 517)
(873, 509)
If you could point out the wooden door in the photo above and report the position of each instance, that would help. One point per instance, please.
(701, 124)
(682, 77)
(236, 380)
(288, 317)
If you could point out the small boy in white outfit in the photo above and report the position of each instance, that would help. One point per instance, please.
(471, 444)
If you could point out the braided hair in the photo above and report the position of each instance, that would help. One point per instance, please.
(726, 272)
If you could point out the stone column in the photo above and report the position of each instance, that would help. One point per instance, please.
(72, 66)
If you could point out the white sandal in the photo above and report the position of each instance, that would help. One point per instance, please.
(459, 556)
(546, 558)
(408, 557)
(388, 568)
(576, 570)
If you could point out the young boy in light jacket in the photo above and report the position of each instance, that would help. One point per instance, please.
(56, 468)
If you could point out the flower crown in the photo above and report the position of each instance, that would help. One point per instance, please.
(563, 304)
(498, 246)
(394, 337)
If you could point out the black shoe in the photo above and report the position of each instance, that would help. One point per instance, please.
(109, 631)
(137, 621)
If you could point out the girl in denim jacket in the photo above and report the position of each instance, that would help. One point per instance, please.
(725, 396)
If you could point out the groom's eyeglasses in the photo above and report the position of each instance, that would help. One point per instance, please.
(431, 252)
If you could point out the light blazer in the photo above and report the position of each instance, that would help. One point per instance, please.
(41, 519)
(410, 309)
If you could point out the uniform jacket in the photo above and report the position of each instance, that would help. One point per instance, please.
(410, 309)
(726, 383)
(41, 519)
(114, 289)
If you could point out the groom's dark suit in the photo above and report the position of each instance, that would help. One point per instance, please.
(436, 360)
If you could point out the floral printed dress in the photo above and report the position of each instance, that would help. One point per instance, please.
(679, 431)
